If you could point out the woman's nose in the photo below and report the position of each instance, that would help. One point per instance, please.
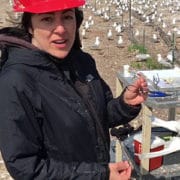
(59, 27)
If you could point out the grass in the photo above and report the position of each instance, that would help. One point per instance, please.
(137, 47)
(148, 64)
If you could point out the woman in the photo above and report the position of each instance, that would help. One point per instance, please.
(55, 110)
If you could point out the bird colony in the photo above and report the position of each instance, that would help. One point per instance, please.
(110, 26)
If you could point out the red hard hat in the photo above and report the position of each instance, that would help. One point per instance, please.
(42, 6)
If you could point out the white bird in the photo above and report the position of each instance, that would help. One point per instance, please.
(136, 33)
(16, 15)
(87, 26)
(164, 62)
(155, 38)
(84, 34)
(147, 20)
(174, 21)
(106, 17)
(115, 24)
(175, 29)
(90, 18)
(98, 12)
(142, 57)
(164, 25)
(118, 29)
(170, 56)
(109, 35)
(169, 33)
(159, 19)
(117, 14)
(96, 45)
(91, 22)
(153, 17)
(11, 3)
(120, 42)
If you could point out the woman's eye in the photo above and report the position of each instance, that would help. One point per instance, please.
(68, 17)
(47, 19)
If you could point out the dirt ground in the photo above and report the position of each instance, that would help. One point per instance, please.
(109, 57)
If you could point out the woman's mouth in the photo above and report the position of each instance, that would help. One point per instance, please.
(60, 43)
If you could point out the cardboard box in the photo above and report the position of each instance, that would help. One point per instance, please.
(157, 144)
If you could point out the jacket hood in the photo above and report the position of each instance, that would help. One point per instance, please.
(15, 50)
(18, 51)
(6, 40)
(35, 57)
(12, 36)
(12, 42)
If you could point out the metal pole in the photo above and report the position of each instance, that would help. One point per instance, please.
(173, 48)
(130, 22)
(130, 14)
(143, 38)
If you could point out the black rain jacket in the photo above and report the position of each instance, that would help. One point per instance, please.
(55, 115)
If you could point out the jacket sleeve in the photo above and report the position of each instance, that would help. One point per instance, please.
(121, 113)
(118, 112)
(21, 143)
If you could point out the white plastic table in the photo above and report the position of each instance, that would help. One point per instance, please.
(169, 102)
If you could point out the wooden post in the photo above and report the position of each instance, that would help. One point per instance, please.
(95, 5)
(119, 87)
(146, 138)
(172, 114)
(118, 155)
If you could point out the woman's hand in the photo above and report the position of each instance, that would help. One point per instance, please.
(120, 171)
(137, 92)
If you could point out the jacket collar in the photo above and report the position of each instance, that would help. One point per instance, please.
(19, 51)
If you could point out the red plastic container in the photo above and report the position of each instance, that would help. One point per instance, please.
(157, 144)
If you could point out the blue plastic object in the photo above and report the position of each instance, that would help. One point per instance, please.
(157, 94)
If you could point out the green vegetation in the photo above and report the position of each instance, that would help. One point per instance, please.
(137, 47)
(148, 64)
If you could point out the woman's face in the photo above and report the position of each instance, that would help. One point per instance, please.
(54, 32)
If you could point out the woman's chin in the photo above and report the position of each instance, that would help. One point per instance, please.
(59, 55)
